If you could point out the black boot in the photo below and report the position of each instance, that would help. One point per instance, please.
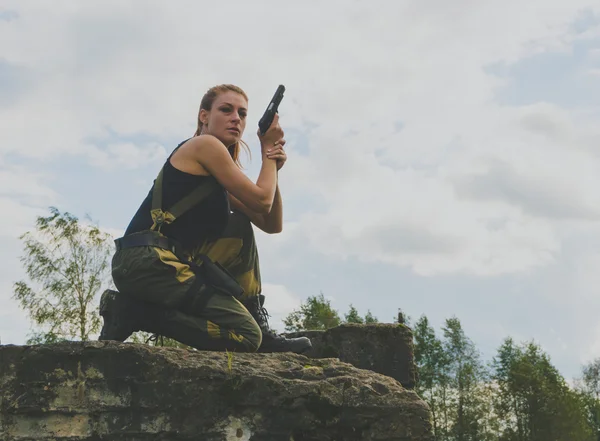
(123, 315)
(272, 342)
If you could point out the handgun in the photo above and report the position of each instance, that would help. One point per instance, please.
(267, 118)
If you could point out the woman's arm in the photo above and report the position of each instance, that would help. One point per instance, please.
(214, 157)
(271, 223)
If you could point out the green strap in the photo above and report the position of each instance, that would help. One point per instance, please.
(185, 204)
(195, 196)
(157, 192)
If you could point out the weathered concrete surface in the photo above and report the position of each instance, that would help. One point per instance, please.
(115, 391)
(383, 348)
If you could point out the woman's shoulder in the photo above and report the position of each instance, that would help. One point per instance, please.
(191, 155)
(201, 142)
(205, 150)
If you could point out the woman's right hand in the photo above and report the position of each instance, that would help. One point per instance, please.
(273, 136)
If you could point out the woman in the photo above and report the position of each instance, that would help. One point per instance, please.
(164, 266)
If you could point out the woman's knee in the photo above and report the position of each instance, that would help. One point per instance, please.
(253, 337)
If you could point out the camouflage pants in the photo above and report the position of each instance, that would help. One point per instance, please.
(236, 250)
(158, 276)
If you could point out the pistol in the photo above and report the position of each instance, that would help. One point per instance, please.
(267, 118)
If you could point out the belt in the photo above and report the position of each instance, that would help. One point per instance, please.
(214, 273)
(151, 239)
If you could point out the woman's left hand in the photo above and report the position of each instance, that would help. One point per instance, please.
(278, 153)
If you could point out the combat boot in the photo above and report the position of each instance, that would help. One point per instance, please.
(271, 341)
(123, 315)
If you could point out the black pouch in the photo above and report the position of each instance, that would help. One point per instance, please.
(218, 277)
(210, 274)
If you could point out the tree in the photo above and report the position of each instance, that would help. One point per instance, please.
(507, 402)
(432, 366)
(468, 409)
(315, 314)
(453, 381)
(589, 388)
(67, 264)
(402, 318)
(533, 401)
(352, 316)
(370, 318)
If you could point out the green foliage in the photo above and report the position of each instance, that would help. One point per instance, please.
(315, 314)
(533, 400)
(370, 318)
(44, 338)
(589, 391)
(229, 362)
(520, 396)
(352, 316)
(432, 367)
(67, 264)
(402, 318)
(434, 381)
(467, 377)
(453, 381)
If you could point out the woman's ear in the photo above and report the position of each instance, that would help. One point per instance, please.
(203, 117)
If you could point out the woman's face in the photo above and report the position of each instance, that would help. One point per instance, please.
(227, 118)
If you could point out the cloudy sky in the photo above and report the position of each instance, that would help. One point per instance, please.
(444, 157)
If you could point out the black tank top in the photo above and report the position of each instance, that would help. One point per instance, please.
(205, 221)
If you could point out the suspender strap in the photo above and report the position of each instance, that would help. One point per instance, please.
(157, 191)
(195, 196)
(160, 216)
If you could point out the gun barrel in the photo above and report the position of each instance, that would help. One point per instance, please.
(267, 118)
(279, 94)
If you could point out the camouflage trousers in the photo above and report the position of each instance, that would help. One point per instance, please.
(157, 276)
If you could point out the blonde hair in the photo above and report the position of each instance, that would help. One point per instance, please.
(207, 101)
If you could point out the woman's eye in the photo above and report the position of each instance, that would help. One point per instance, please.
(242, 115)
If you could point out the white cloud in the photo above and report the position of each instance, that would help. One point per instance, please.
(126, 155)
(592, 351)
(594, 72)
(18, 182)
(24, 195)
(466, 185)
(279, 301)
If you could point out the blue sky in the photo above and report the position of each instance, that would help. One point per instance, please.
(442, 163)
(565, 78)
